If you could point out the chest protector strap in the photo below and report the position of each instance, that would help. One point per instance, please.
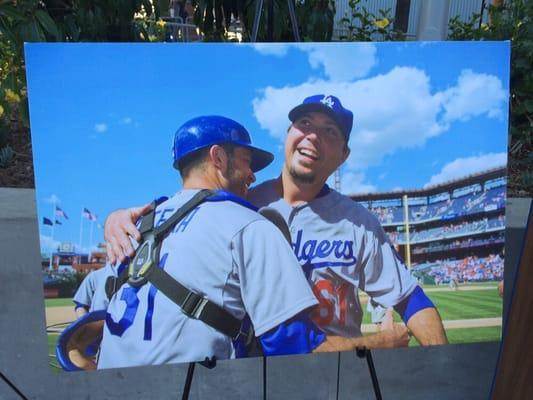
(145, 268)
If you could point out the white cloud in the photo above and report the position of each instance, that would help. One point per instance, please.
(53, 199)
(392, 111)
(272, 49)
(475, 94)
(101, 127)
(462, 167)
(340, 62)
(48, 244)
(354, 183)
(126, 120)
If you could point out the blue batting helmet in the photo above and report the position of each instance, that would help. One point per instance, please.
(205, 131)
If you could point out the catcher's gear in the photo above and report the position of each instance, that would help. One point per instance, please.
(144, 268)
(78, 343)
(201, 132)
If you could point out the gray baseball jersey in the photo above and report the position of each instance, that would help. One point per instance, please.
(224, 251)
(91, 292)
(341, 248)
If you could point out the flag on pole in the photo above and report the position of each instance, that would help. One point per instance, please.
(89, 215)
(61, 213)
(58, 222)
(46, 221)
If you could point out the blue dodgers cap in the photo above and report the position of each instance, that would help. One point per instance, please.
(329, 105)
(201, 132)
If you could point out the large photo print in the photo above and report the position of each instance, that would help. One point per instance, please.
(219, 201)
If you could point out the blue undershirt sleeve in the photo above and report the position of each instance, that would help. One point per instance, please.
(413, 303)
(297, 335)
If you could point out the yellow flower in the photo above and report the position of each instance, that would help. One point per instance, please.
(382, 23)
(11, 96)
(161, 23)
(1, 110)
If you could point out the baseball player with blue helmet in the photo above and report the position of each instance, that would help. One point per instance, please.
(340, 245)
(230, 262)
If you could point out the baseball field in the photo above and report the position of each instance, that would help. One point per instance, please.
(472, 313)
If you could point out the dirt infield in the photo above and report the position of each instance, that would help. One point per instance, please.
(55, 315)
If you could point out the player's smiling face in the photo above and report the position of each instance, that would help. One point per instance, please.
(239, 175)
(314, 148)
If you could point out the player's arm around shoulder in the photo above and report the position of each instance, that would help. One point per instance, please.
(119, 227)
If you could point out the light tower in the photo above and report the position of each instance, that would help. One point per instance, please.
(337, 179)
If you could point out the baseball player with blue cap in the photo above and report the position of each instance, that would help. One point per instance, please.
(339, 244)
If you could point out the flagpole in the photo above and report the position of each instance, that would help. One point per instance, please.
(91, 239)
(81, 228)
(52, 238)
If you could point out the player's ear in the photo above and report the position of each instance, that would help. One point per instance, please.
(218, 157)
(346, 151)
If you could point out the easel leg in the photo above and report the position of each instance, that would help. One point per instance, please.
(188, 381)
(270, 22)
(365, 353)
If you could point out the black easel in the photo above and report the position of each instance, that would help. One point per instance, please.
(12, 386)
(209, 363)
(270, 21)
(365, 353)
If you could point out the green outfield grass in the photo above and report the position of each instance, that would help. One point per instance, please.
(58, 302)
(52, 339)
(474, 335)
(490, 283)
(469, 335)
(467, 305)
(461, 304)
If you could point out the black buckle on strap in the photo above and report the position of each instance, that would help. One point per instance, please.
(193, 305)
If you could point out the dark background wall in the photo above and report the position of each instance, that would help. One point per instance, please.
(442, 372)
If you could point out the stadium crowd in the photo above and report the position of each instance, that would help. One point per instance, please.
(468, 269)
(458, 244)
(473, 203)
(452, 230)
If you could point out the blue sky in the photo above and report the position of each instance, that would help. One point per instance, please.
(103, 115)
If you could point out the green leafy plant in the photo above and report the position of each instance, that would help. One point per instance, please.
(316, 20)
(512, 21)
(100, 20)
(364, 26)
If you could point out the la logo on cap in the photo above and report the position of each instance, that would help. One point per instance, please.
(328, 101)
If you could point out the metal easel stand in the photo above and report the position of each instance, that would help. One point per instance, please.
(270, 22)
(208, 363)
(363, 352)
